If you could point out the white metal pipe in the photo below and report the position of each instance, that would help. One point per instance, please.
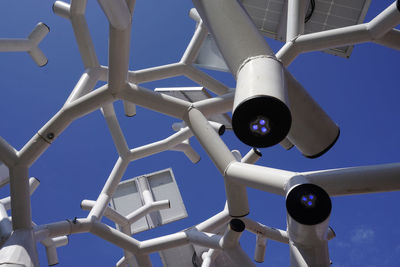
(4, 174)
(236, 197)
(239, 257)
(159, 146)
(33, 185)
(162, 103)
(187, 149)
(33, 149)
(110, 213)
(115, 130)
(219, 127)
(46, 135)
(232, 234)
(129, 108)
(313, 132)
(121, 263)
(204, 239)
(261, 245)
(385, 21)
(156, 73)
(208, 257)
(109, 188)
(83, 38)
(131, 5)
(143, 260)
(357, 180)
(194, 15)
(252, 156)
(62, 9)
(285, 143)
(390, 39)
(209, 139)
(117, 13)
(215, 105)
(85, 84)
(78, 7)
(20, 250)
(130, 258)
(295, 18)
(214, 222)
(118, 55)
(8, 154)
(15, 45)
(262, 178)
(5, 225)
(60, 241)
(63, 228)
(163, 242)
(74, 110)
(205, 80)
(146, 209)
(267, 232)
(115, 237)
(304, 256)
(20, 198)
(52, 256)
(193, 47)
(375, 29)
(323, 40)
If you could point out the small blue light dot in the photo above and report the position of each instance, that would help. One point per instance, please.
(262, 122)
(309, 203)
(311, 197)
(304, 198)
(263, 129)
(255, 126)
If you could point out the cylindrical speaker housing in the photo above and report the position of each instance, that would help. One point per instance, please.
(261, 117)
(260, 91)
(308, 207)
(313, 132)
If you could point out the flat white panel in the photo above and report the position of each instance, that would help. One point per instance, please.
(163, 186)
(210, 57)
(127, 199)
(270, 17)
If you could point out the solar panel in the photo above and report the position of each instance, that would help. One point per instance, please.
(193, 94)
(128, 198)
(270, 18)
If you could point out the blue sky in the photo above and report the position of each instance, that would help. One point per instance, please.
(360, 94)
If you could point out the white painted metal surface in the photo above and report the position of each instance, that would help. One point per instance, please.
(154, 199)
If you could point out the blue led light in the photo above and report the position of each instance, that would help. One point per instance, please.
(255, 126)
(263, 129)
(311, 197)
(304, 199)
(309, 203)
(262, 122)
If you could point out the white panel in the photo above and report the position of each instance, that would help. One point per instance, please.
(127, 199)
(163, 186)
(270, 17)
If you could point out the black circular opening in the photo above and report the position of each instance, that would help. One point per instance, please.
(257, 109)
(308, 204)
(237, 225)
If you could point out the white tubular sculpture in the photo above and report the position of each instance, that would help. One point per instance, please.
(269, 106)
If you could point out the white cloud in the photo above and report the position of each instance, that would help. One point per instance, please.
(362, 234)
